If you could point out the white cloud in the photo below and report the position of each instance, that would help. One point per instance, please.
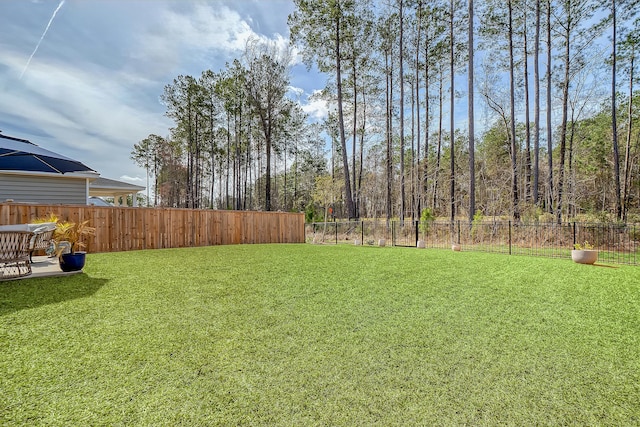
(316, 108)
(202, 32)
(297, 91)
(89, 113)
(296, 56)
(179, 34)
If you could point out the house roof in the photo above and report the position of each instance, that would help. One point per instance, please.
(23, 156)
(104, 187)
(107, 187)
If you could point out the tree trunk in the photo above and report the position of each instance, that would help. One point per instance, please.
(536, 113)
(627, 161)
(439, 150)
(362, 129)
(389, 99)
(550, 196)
(512, 124)
(563, 124)
(418, 191)
(238, 161)
(426, 123)
(228, 160)
(527, 121)
(472, 170)
(413, 155)
(343, 145)
(402, 172)
(452, 175)
(614, 124)
(356, 198)
(190, 144)
(247, 172)
(571, 205)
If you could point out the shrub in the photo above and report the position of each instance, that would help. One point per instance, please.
(426, 218)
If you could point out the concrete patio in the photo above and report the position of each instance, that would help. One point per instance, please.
(44, 266)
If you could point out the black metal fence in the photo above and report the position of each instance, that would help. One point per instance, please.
(616, 243)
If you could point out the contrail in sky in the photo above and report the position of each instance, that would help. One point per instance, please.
(42, 38)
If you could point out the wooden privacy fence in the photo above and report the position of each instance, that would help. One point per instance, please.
(125, 229)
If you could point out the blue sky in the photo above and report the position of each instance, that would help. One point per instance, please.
(92, 88)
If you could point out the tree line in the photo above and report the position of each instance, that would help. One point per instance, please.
(547, 126)
(232, 129)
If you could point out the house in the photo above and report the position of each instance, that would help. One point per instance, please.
(31, 174)
(104, 187)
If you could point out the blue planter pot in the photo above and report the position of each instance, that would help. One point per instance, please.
(72, 262)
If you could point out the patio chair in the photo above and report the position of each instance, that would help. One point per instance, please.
(42, 239)
(14, 254)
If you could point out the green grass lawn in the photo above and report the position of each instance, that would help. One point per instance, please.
(322, 335)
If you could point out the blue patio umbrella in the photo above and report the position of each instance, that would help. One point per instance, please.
(23, 155)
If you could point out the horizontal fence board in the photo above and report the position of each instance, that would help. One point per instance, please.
(124, 229)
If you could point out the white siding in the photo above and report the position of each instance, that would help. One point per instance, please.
(46, 190)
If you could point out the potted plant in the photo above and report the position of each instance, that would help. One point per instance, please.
(584, 253)
(71, 257)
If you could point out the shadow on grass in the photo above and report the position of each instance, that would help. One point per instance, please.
(19, 295)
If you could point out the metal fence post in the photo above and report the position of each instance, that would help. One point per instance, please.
(458, 231)
(362, 232)
(509, 237)
(336, 224)
(574, 235)
(417, 237)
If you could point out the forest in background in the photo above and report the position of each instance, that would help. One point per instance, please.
(552, 133)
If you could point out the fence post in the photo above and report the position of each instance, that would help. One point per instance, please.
(574, 235)
(510, 237)
(417, 237)
(393, 233)
(336, 224)
(362, 232)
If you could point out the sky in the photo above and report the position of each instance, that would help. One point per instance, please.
(83, 78)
